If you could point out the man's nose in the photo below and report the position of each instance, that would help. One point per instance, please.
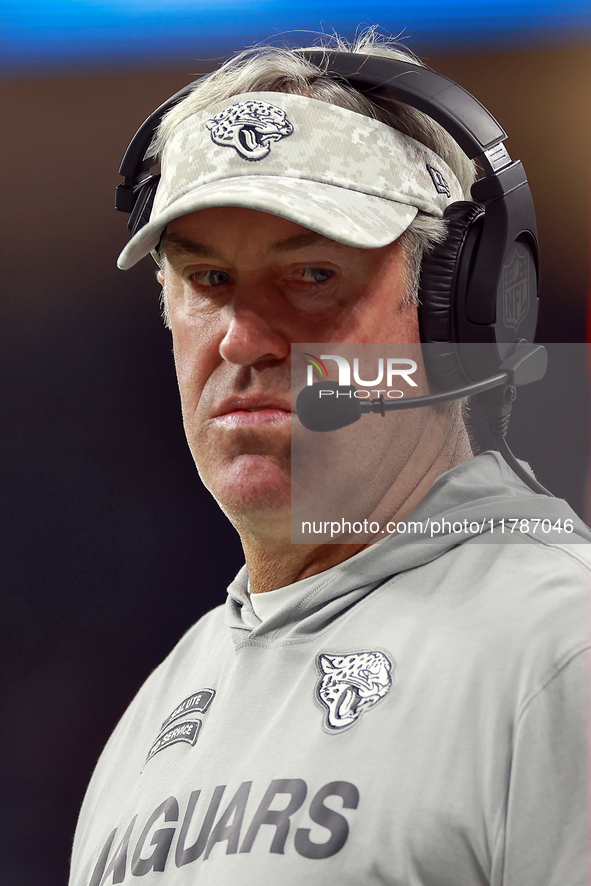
(253, 334)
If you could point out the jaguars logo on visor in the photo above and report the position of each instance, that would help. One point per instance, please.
(250, 128)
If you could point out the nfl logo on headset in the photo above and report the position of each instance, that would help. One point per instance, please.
(516, 288)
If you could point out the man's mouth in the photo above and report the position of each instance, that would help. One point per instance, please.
(242, 411)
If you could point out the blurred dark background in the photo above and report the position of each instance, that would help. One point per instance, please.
(111, 548)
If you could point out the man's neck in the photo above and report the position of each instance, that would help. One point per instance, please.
(274, 562)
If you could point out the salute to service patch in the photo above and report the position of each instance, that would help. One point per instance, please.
(188, 730)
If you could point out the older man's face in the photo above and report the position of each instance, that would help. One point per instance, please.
(241, 287)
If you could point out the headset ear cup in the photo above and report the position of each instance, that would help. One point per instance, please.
(441, 295)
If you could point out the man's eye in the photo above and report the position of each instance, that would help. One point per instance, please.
(210, 278)
(315, 275)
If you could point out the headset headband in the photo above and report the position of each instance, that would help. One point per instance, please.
(463, 116)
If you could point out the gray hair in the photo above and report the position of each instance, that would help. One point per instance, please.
(275, 69)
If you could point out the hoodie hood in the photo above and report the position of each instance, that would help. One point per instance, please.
(483, 490)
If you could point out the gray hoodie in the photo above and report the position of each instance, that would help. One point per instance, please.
(414, 716)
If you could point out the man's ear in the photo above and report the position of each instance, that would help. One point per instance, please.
(160, 276)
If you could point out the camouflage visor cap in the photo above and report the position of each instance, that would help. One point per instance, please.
(336, 172)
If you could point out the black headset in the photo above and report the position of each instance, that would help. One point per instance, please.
(480, 285)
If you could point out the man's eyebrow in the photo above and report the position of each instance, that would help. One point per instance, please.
(174, 243)
(178, 245)
(300, 241)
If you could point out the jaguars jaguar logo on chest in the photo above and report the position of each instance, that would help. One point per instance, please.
(250, 128)
(350, 684)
